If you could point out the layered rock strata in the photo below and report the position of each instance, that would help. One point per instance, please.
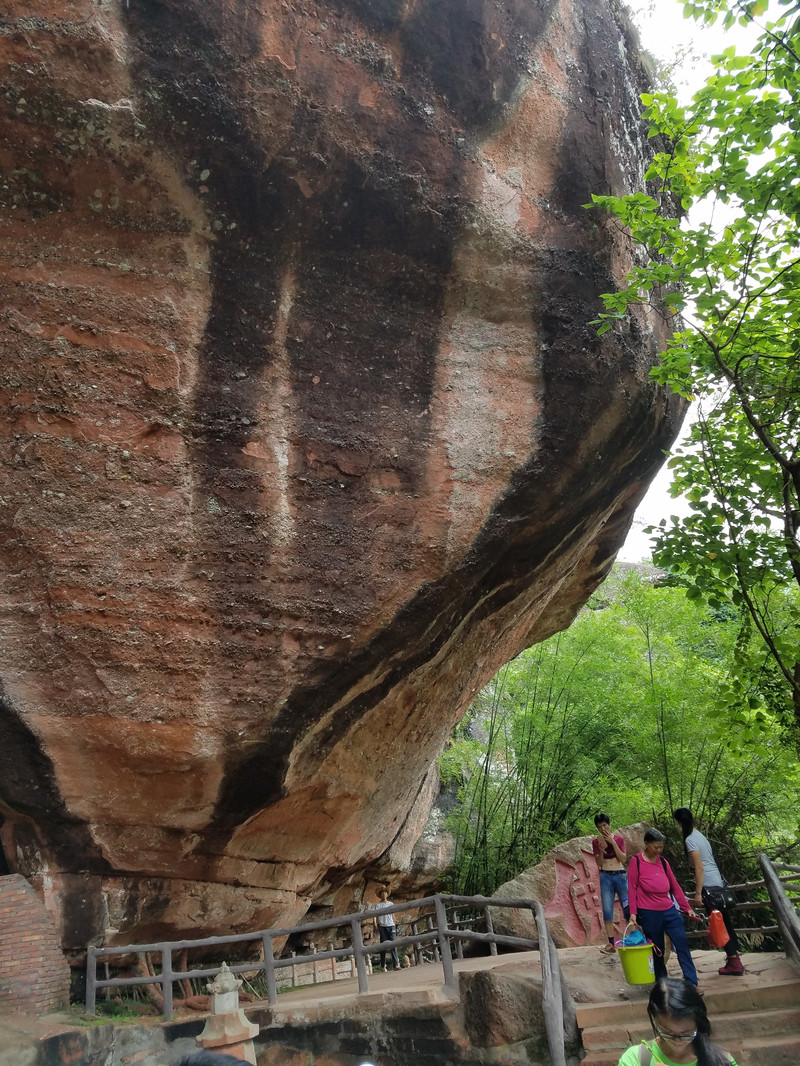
(305, 426)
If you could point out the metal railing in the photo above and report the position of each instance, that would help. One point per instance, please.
(559, 1009)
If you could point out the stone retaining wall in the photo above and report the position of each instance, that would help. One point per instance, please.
(497, 1019)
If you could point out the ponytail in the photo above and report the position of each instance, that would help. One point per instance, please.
(683, 816)
(708, 1053)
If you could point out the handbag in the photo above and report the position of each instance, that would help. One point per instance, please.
(718, 935)
(720, 897)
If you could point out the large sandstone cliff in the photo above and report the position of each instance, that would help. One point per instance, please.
(305, 429)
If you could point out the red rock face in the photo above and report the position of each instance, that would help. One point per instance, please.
(567, 882)
(305, 428)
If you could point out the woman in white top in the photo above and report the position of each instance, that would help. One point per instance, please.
(708, 878)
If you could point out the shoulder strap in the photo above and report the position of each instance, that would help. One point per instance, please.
(645, 1055)
(639, 865)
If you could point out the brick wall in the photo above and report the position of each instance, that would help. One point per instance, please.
(34, 975)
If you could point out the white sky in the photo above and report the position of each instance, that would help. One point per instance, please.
(668, 36)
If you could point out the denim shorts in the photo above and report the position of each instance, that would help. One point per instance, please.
(613, 882)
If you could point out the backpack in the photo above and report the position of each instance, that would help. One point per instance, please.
(639, 864)
(666, 871)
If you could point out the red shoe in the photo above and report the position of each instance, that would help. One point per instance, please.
(733, 966)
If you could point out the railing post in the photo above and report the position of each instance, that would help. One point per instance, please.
(487, 914)
(166, 979)
(459, 941)
(571, 1030)
(91, 979)
(429, 927)
(444, 943)
(551, 990)
(358, 951)
(269, 969)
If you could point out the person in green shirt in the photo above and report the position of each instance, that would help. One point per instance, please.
(681, 1030)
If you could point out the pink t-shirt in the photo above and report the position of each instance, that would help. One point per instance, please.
(650, 884)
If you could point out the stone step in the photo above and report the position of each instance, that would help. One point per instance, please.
(756, 1016)
(729, 1000)
(601, 1038)
(734, 1026)
(733, 999)
(778, 1050)
(602, 1057)
(761, 1023)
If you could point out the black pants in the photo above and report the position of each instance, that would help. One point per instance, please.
(732, 947)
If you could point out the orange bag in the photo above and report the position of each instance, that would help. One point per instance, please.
(717, 933)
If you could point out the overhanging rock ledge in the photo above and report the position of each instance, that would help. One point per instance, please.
(305, 429)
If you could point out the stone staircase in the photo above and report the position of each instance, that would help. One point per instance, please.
(757, 1021)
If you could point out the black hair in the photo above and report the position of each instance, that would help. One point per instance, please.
(207, 1058)
(683, 816)
(598, 818)
(653, 836)
(678, 998)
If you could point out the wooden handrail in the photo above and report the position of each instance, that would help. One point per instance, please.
(758, 904)
(698, 934)
(747, 885)
(785, 914)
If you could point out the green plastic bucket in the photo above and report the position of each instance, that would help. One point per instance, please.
(637, 963)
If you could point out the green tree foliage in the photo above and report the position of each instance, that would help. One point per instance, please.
(728, 283)
(618, 713)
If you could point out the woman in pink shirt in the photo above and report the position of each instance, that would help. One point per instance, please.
(652, 894)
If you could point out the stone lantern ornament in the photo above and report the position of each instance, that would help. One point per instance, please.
(228, 1030)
